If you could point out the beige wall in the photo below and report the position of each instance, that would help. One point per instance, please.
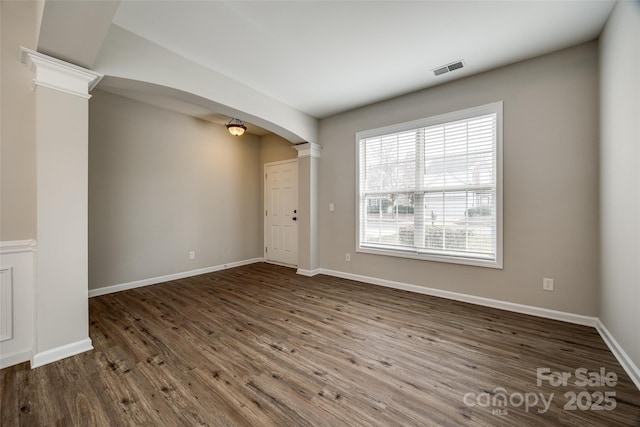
(18, 27)
(274, 148)
(620, 176)
(162, 184)
(550, 183)
(17, 123)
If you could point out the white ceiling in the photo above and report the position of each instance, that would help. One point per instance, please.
(325, 57)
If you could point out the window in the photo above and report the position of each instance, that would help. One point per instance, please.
(432, 189)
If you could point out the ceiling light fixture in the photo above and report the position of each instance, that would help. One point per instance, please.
(236, 127)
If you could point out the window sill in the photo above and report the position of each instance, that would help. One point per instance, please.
(489, 263)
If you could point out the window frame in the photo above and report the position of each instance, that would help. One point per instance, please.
(491, 108)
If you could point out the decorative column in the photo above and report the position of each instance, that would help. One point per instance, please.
(308, 158)
(61, 284)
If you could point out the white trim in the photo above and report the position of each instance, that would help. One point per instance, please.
(160, 279)
(461, 260)
(281, 264)
(308, 149)
(280, 162)
(487, 302)
(309, 273)
(62, 352)
(17, 246)
(59, 75)
(6, 303)
(59, 88)
(19, 256)
(627, 364)
(623, 358)
(7, 360)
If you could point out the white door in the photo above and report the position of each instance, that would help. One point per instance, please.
(281, 204)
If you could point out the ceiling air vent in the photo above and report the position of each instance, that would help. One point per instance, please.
(440, 70)
(449, 67)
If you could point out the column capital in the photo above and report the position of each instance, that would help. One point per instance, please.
(59, 75)
(308, 149)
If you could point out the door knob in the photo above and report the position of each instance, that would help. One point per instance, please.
(294, 218)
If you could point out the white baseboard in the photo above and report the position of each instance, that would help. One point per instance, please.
(58, 353)
(7, 360)
(309, 273)
(630, 368)
(623, 358)
(487, 302)
(155, 280)
(281, 264)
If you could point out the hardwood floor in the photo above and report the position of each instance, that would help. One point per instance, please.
(261, 346)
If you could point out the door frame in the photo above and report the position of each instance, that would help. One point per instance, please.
(264, 208)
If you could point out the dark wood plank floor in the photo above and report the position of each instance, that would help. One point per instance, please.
(262, 346)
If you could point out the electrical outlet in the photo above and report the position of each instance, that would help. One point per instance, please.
(347, 256)
(192, 255)
(331, 207)
(547, 284)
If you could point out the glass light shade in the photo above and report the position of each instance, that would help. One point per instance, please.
(236, 130)
(236, 127)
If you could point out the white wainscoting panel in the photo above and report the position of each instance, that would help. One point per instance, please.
(6, 303)
(17, 303)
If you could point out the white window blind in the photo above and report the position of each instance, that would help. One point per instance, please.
(431, 189)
